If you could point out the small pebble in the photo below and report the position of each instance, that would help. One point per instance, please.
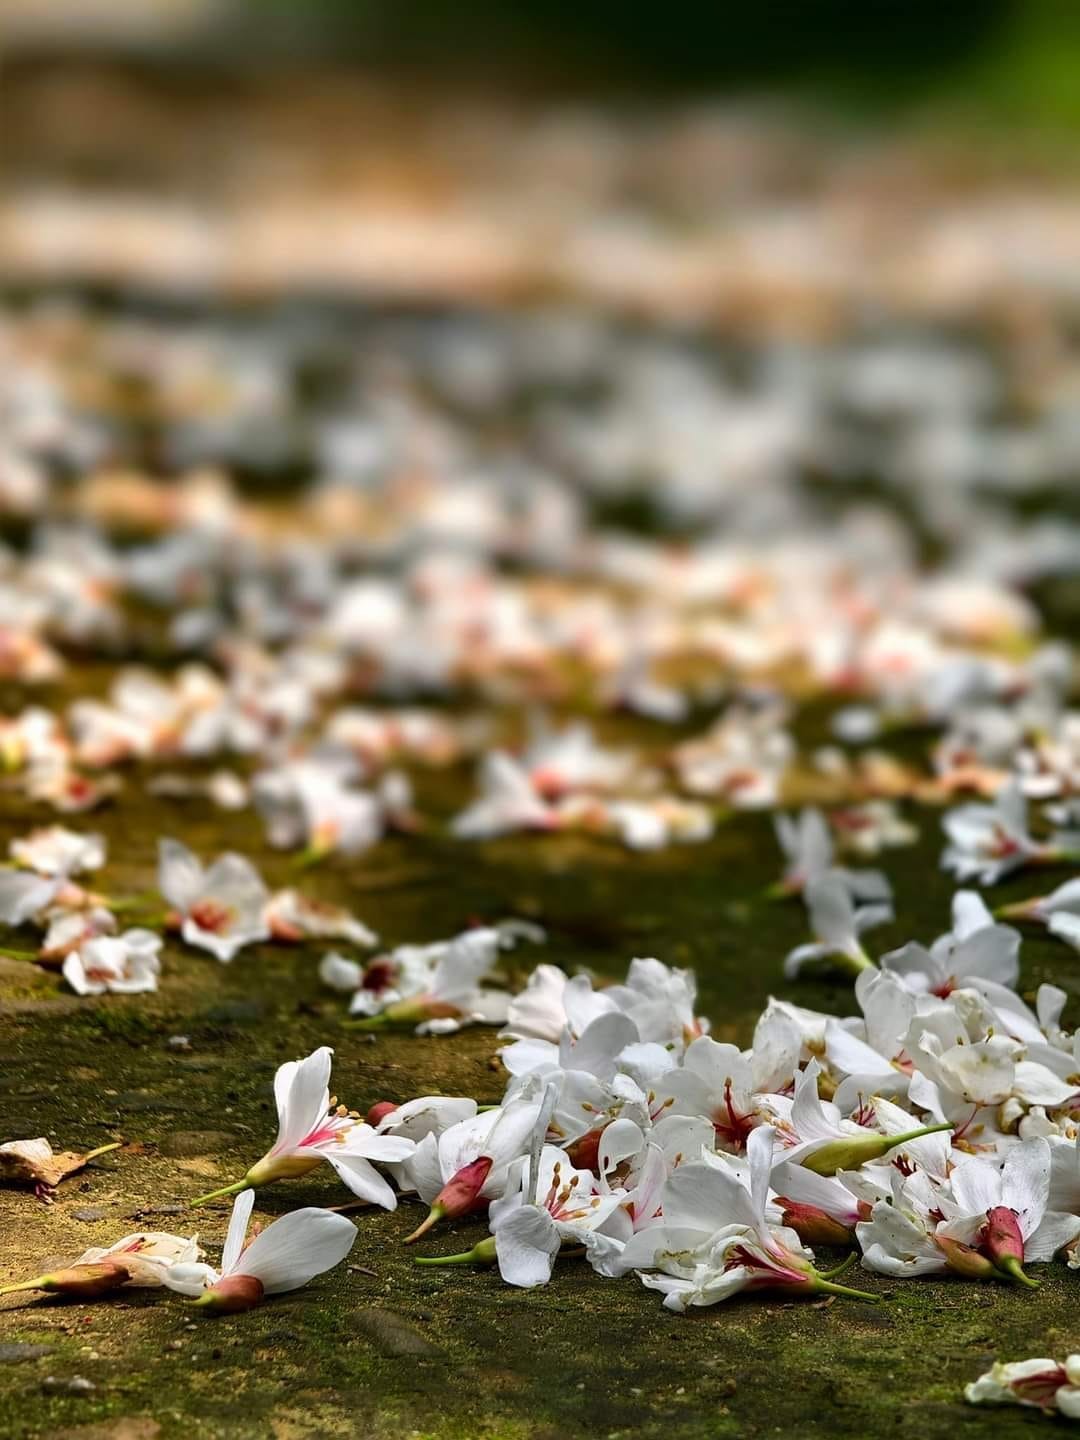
(67, 1385)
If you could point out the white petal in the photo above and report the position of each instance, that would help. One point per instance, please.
(526, 1244)
(302, 1092)
(180, 875)
(363, 1179)
(238, 1225)
(190, 1278)
(296, 1248)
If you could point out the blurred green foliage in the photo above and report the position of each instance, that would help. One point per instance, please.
(1015, 61)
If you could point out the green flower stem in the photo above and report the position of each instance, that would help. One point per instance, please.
(235, 1189)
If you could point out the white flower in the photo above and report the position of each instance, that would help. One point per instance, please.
(507, 802)
(1059, 911)
(971, 952)
(870, 828)
(310, 804)
(284, 1256)
(221, 908)
(469, 1164)
(1041, 1383)
(292, 916)
(988, 842)
(55, 850)
(713, 1239)
(312, 1128)
(126, 964)
(836, 924)
(531, 1220)
(146, 1256)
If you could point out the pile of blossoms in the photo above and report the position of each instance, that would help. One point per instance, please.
(308, 660)
(934, 1133)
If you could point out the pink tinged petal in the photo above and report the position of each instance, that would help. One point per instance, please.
(238, 1225)
(296, 1248)
(526, 1244)
(303, 1097)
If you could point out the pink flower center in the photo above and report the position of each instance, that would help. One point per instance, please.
(212, 916)
(1040, 1389)
(732, 1126)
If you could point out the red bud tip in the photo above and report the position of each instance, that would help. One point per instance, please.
(379, 1111)
(86, 1281)
(584, 1153)
(1002, 1238)
(461, 1192)
(813, 1225)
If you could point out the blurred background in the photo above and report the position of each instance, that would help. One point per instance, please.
(697, 158)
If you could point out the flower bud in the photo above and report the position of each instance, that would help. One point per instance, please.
(379, 1112)
(812, 1225)
(963, 1259)
(458, 1196)
(231, 1295)
(460, 1193)
(851, 1151)
(86, 1282)
(1003, 1241)
(584, 1153)
(418, 1008)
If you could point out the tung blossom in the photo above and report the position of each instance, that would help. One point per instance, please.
(220, 908)
(836, 923)
(1042, 1384)
(136, 1260)
(284, 1256)
(1059, 911)
(312, 1128)
(126, 964)
(56, 850)
(988, 842)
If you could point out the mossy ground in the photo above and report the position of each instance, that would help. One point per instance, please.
(381, 1347)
